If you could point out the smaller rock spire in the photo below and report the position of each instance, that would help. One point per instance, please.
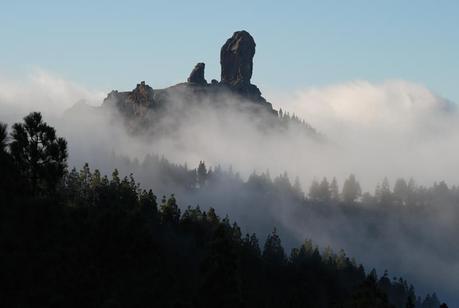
(197, 74)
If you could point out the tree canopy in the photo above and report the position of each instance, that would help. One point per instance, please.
(39, 154)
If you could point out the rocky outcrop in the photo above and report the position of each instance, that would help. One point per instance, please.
(142, 95)
(197, 75)
(132, 103)
(236, 59)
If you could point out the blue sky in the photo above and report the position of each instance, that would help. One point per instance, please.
(108, 44)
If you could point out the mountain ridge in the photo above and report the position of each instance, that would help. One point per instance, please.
(236, 59)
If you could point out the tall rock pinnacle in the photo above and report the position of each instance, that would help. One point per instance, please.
(236, 59)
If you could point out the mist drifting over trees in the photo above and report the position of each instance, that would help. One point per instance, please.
(294, 205)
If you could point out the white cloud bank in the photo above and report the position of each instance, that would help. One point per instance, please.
(42, 91)
(395, 128)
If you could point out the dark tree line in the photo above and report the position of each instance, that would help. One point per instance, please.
(366, 216)
(260, 192)
(81, 239)
(404, 193)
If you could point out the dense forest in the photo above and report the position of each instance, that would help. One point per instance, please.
(402, 226)
(78, 238)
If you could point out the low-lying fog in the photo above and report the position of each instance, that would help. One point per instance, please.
(396, 129)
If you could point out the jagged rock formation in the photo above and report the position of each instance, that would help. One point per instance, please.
(142, 94)
(236, 58)
(153, 110)
(132, 103)
(197, 75)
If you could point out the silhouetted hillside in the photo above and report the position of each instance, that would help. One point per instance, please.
(82, 239)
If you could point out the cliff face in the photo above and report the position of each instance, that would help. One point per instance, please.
(236, 59)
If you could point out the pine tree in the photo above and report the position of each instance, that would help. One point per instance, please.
(369, 295)
(201, 174)
(273, 252)
(212, 216)
(40, 155)
(334, 190)
(221, 282)
(314, 190)
(170, 212)
(11, 183)
(401, 191)
(255, 245)
(147, 201)
(3, 137)
(384, 194)
(324, 190)
(297, 188)
(351, 189)
(85, 179)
